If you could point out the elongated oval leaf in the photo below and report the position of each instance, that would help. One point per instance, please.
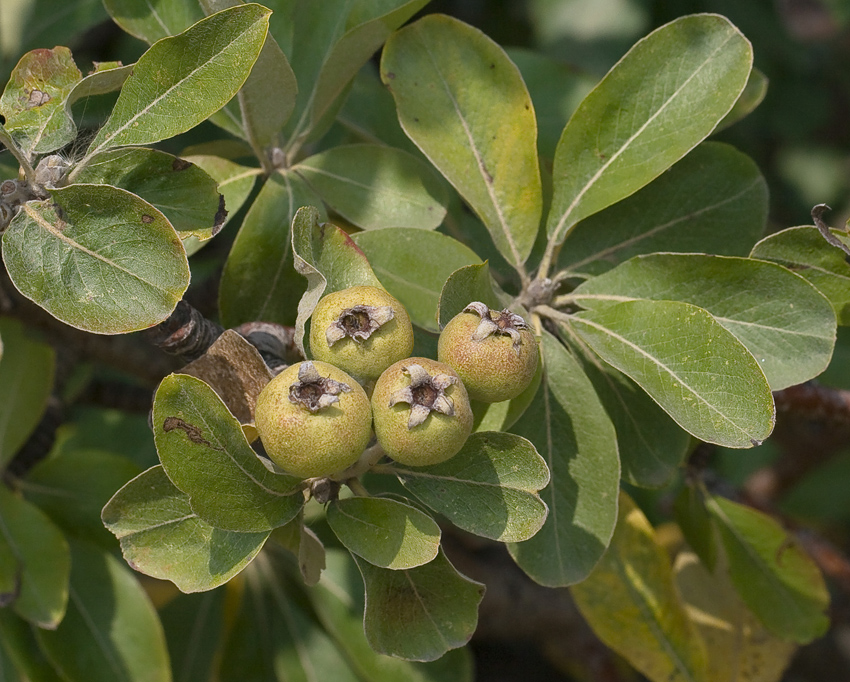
(414, 265)
(42, 561)
(631, 603)
(235, 181)
(489, 488)
(658, 102)
(26, 380)
(19, 647)
(185, 194)
(750, 98)
(162, 537)
(111, 632)
(205, 454)
(782, 319)
(420, 613)
(569, 427)
(374, 186)
(98, 258)
(385, 532)
(259, 281)
(464, 104)
(183, 79)
(712, 201)
(154, 19)
(806, 252)
(465, 285)
(775, 577)
(33, 101)
(691, 365)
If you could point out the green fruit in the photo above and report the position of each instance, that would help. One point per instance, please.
(493, 352)
(421, 412)
(362, 330)
(314, 419)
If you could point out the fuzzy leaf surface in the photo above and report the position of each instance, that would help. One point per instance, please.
(204, 453)
(420, 613)
(783, 320)
(463, 102)
(414, 265)
(571, 431)
(183, 79)
(98, 258)
(489, 488)
(659, 101)
(35, 562)
(689, 364)
(631, 603)
(375, 186)
(775, 577)
(162, 537)
(259, 278)
(111, 632)
(26, 380)
(712, 201)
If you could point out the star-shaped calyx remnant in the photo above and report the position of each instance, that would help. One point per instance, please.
(358, 322)
(497, 322)
(314, 392)
(425, 394)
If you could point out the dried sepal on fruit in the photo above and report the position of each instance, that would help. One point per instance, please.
(313, 419)
(493, 351)
(421, 412)
(362, 330)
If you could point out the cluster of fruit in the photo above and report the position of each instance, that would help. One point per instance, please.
(315, 418)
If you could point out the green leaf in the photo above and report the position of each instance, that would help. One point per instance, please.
(338, 602)
(569, 427)
(804, 251)
(194, 629)
(26, 380)
(660, 100)
(420, 613)
(775, 577)
(782, 319)
(712, 201)
(750, 98)
(235, 182)
(329, 259)
(18, 642)
(374, 186)
(489, 488)
(184, 193)
(652, 446)
(738, 645)
(111, 632)
(330, 43)
(205, 454)
(154, 19)
(631, 603)
(72, 488)
(98, 258)
(305, 545)
(696, 526)
(274, 637)
(162, 537)
(465, 285)
(689, 364)
(414, 265)
(41, 561)
(105, 77)
(385, 532)
(33, 101)
(259, 281)
(464, 104)
(183, 79)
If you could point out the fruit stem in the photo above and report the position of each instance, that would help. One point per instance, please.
(357, 487)
(370, 457)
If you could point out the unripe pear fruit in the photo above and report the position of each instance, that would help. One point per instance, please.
(421, 412)
(362, 330)
(314, 419)
(493, 352)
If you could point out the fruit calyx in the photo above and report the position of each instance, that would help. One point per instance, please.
(313, 391)
(502, 322)
(358, 323)
(425, 394)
